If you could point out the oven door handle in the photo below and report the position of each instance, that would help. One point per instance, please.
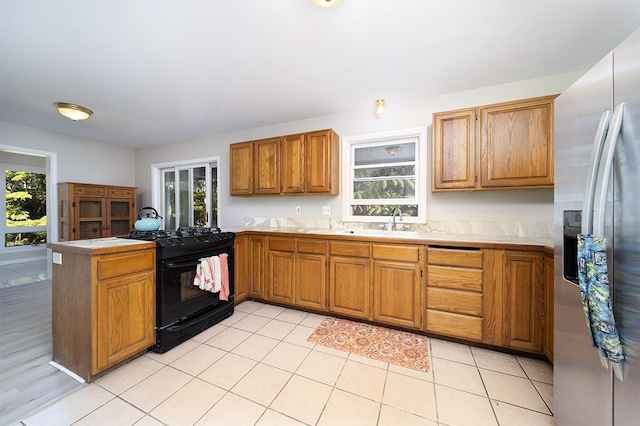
(174, 265)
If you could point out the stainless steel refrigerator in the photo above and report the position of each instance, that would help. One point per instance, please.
(602, 106)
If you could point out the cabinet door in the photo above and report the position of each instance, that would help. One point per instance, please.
(266, 166)
(89, 218)
(523, 299)
(311, 281)
(349, 286)
(256, 271)
(125, 318)
(321, 162)
(241, 168)
(240, 247)
(516, 144)
(548, 307)
(280, 276)
(119, 216)
(292, 173)
(454, 150)
(396, 293)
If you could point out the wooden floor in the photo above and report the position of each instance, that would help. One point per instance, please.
(27, 381)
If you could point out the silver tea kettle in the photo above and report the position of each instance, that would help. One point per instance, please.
(150, 222)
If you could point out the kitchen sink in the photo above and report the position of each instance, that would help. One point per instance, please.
(379, 233)
(361, 232)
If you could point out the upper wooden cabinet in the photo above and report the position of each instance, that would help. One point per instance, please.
(266, 166)
(300, 164)
(241, 160)
(454, 150)
(95, 211)
(510, 147)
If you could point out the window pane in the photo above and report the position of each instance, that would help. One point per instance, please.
(380, 210)
(391, 153)
(384, 171)
(25, 239)
(26, 198)
(214, 197)
(185, 198)
(384, 189)
(169, 200)
(199, 194)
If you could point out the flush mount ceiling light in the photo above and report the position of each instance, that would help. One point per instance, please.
(72, 111)
(394, 149)
(326, 3)
(380, 106)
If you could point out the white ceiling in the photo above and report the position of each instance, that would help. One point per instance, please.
(159, 71)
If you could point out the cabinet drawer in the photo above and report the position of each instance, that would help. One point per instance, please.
(120, 192)
(393, 252)
(454, 325)
(350, 249)
(455, 278)
(89, 190)
(455, 301)
(455, 257)
(281, 244)
(118, 265)
(312, 246)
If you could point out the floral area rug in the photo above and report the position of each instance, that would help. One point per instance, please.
(384, 344)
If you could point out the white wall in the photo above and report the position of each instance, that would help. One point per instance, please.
(515, 205)
(79, 160)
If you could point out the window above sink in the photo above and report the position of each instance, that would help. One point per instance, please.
(384, 172)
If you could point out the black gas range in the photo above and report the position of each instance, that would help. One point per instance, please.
(182, 309)
(186, 240)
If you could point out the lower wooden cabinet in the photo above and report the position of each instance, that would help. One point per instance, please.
(240, 267)
(281, 264)
(493, 296)
(397, 284)
(297, 272)
(376, 282)
(522, 299)
(103, 306)
(350, 279)
(311, 274)
(454, 292)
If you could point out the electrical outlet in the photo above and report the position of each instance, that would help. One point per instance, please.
(326, 209)
(298, 210)
(57, 258)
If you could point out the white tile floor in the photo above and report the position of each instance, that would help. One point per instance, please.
(257, 368)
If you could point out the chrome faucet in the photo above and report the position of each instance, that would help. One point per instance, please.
(391, 226)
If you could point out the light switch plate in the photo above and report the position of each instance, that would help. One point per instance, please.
(57, 258)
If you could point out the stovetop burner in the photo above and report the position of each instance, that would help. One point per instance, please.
(185, 239)
(186, 231)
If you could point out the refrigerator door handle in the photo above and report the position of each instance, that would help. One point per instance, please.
(592, 173)
(604, 171)
(600, 207)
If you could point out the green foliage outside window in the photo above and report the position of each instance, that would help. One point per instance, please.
(26, 206)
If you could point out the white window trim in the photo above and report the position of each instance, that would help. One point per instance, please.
(421, 165)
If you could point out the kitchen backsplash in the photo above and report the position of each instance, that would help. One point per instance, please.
(519, 229)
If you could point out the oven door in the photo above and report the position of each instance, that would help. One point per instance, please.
(177, 297)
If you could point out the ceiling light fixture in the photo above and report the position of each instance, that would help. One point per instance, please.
(72, 111)
(326, 3)
(394, 149)
(380, 107)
